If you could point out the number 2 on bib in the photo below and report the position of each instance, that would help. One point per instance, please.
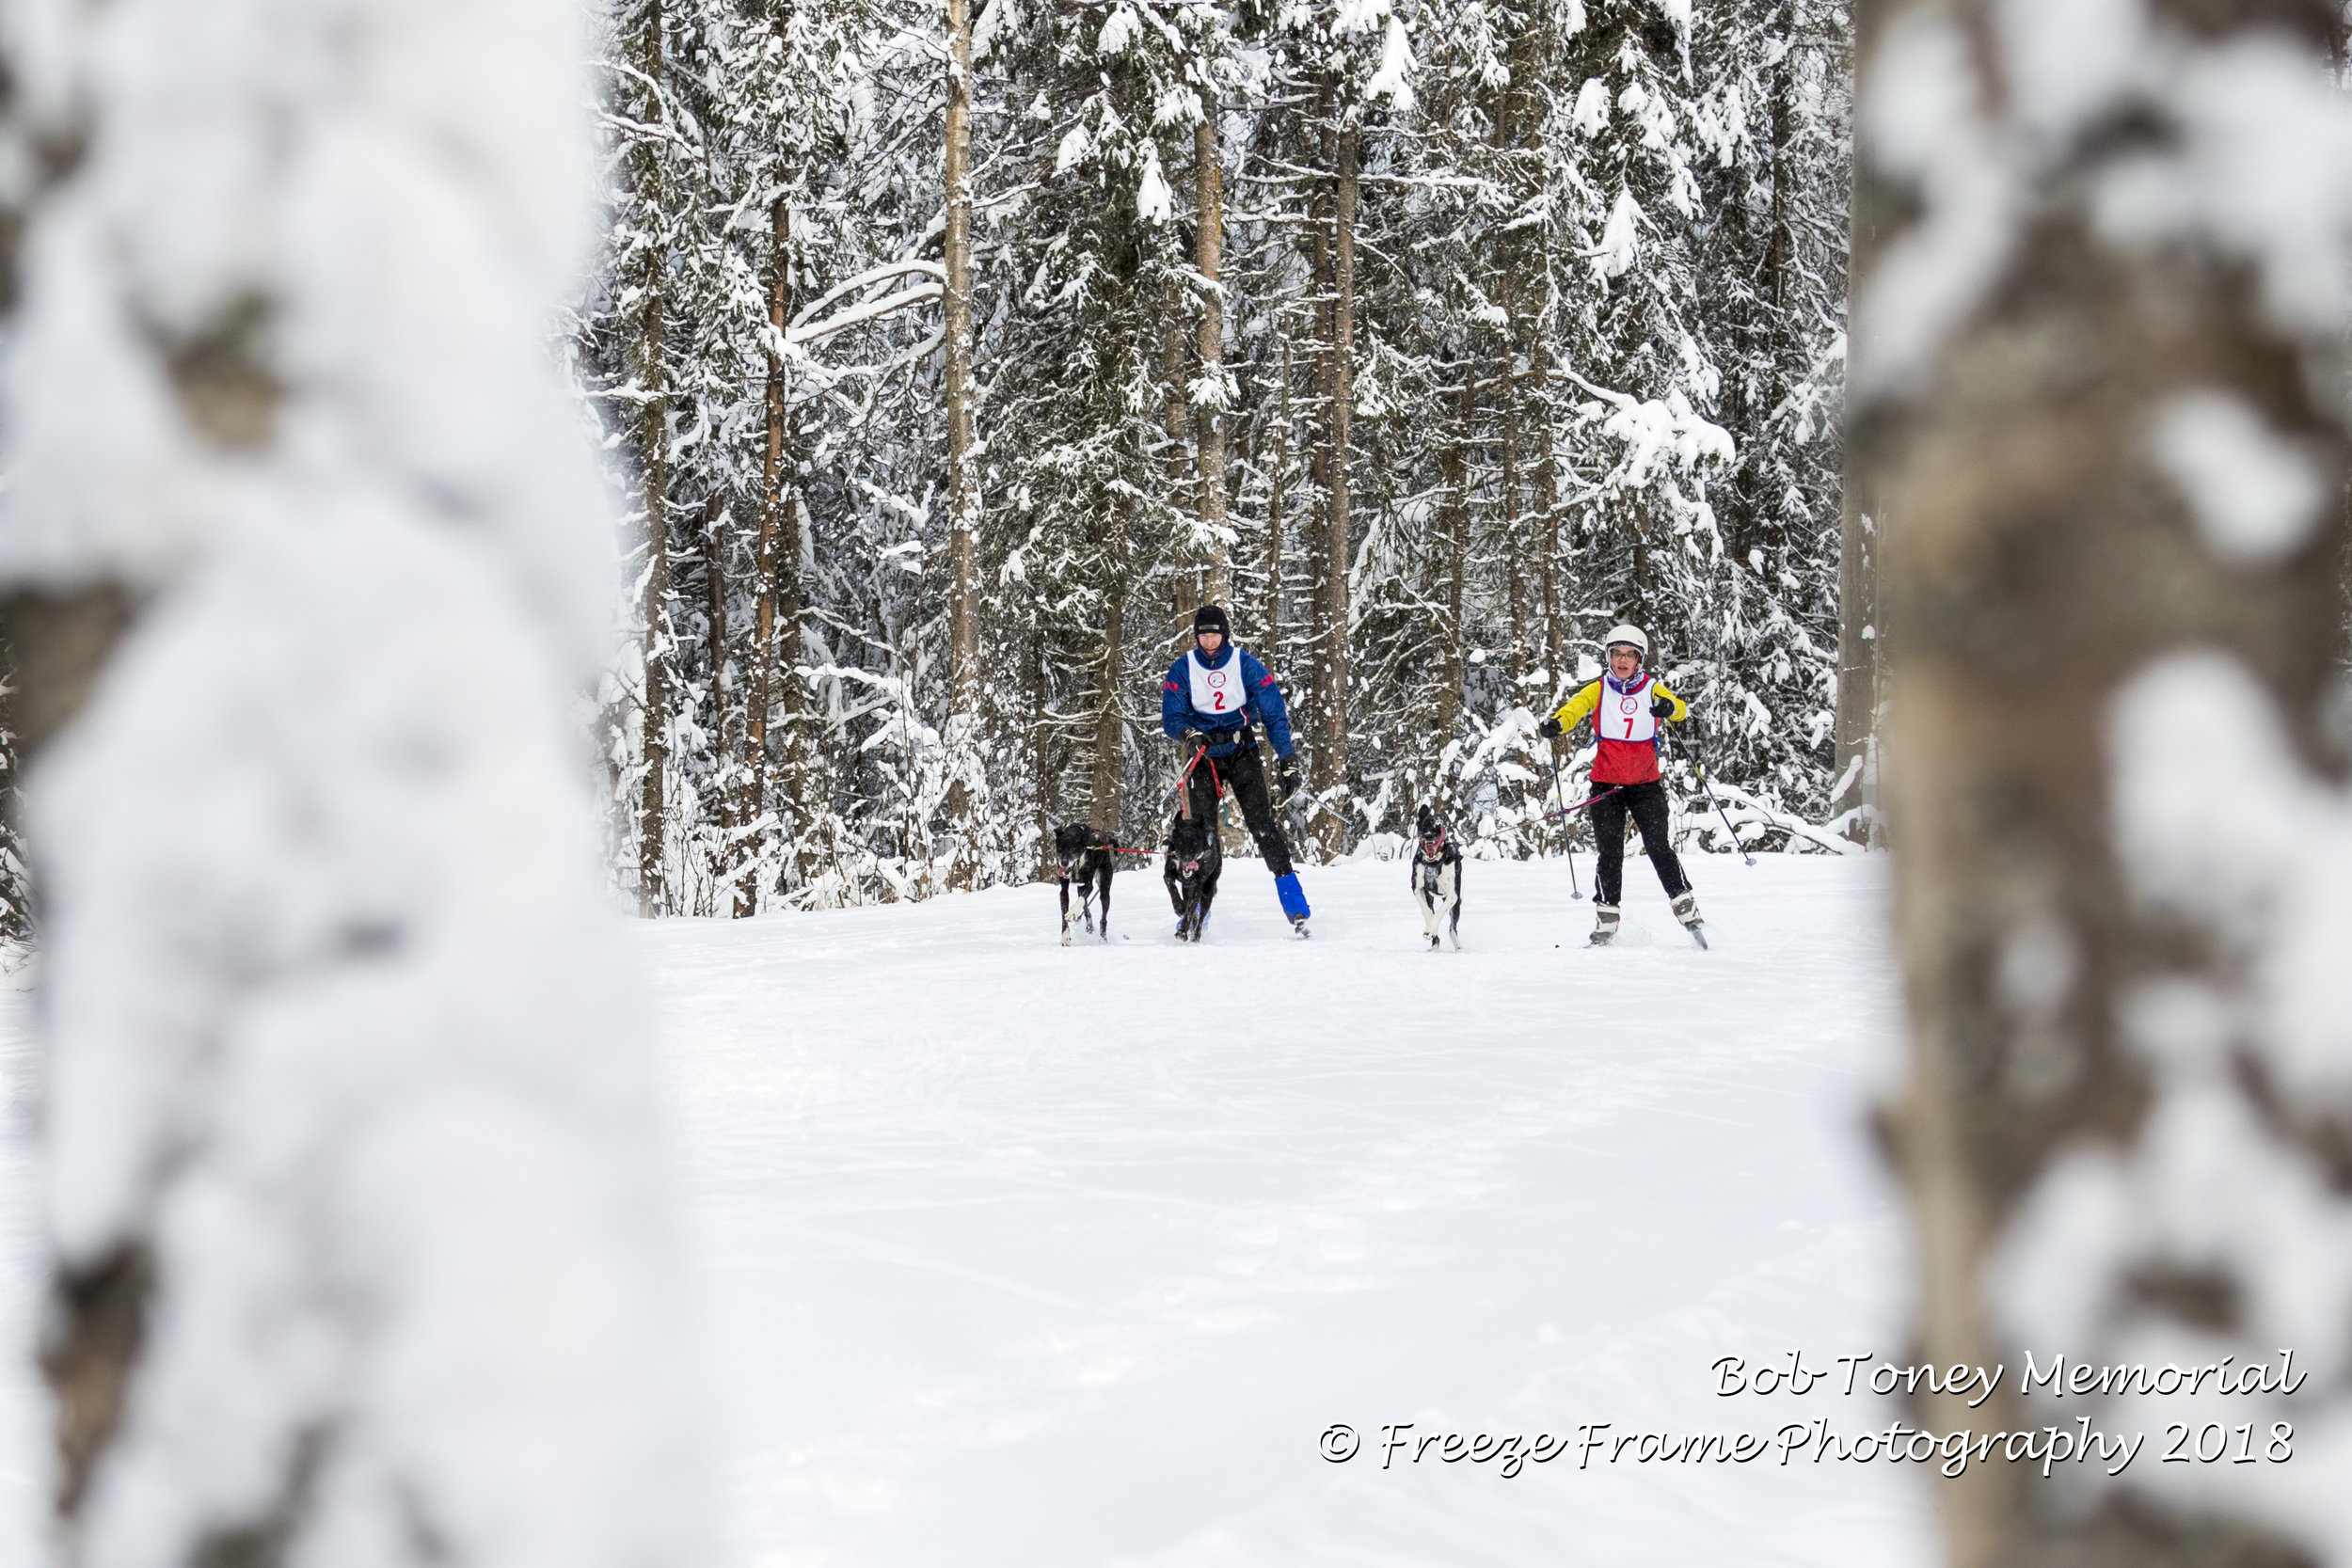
(1215, 690)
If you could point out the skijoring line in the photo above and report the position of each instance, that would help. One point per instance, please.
(1566, 811)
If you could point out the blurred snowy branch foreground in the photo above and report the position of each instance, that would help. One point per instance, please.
(2099, 388)
(359, 1251)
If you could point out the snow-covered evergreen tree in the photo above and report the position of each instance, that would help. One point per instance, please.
(1549, 424)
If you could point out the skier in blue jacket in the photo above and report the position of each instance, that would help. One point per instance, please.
(1215, 698)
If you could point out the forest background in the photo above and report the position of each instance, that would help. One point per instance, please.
(950, 361)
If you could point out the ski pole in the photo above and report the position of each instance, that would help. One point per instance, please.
(1699, 756)
(1568, 834)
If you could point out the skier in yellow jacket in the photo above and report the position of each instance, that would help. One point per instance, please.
(1626, 707)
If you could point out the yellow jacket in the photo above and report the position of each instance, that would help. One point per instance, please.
(1621, 762)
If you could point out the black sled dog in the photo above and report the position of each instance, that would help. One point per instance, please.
(1195, 860)
(1437, 879)
(1085, 860)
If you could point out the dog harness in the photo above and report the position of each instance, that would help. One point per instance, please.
(1219, 692)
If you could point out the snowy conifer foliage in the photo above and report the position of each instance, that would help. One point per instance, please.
(357, 1254)
(1526, 319)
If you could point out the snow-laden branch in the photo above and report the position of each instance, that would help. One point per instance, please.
(1796, 826)
(873, 309)
(800, 332)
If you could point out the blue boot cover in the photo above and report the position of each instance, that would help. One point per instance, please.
(1294, 899)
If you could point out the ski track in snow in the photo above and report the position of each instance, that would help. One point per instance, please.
(1014, 1254)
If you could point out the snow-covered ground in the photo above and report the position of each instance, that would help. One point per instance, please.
(1019, 1255)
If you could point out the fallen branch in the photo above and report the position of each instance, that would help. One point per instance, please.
(1795, 826)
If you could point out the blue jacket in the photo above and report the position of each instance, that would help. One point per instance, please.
(1265, 705)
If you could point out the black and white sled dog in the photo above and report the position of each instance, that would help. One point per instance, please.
(1437, 879)
(1195, 860)
(1085, 858)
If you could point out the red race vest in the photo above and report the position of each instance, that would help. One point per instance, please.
(1628, 732)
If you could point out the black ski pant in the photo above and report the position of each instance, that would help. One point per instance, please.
(1244, 776)
(1647, 804)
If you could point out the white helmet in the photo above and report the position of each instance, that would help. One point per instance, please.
(1625, 632)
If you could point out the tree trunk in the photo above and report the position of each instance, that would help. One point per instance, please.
(1547, 522)
(1278, 477)
(1110, 697)
(1451, 670)
(1859, 635)
(653, 455)
(1043, 763)
(2099, 685)
(1210, 423)
(1514, 586)
(1331, 757)
(1173, 421)
(715, 609)
(775, 496)
(1319, 634)
(963, 489)
(1548, 543)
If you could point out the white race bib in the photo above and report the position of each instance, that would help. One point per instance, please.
(1625, 714)
(1216, 692)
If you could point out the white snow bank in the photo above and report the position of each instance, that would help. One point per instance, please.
(1025, 1254)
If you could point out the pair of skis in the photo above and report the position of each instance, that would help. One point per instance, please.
(1602, 939)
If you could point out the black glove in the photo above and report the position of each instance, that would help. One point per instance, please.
(1191, 741)
(1662, 708)
(1286, 776)
(1550, 729)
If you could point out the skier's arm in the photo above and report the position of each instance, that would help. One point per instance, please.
(1577, 709)
(1175, 703)
(1265, 695)
(1682, 709)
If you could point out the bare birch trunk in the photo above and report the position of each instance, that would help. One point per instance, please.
(2071, 616)
(1173, 421)
(1515, 566)
(653, 453)
(1110, 734)
(1209, 424)
(1859, 636)
(1452, 669)
(1320, 634)
(1332, 756)
(963, 491)
(1547, 545)
(775, 496)
(1277, 480)
(715, 612)
(1547, 522)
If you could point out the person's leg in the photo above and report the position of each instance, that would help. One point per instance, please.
(1647, 802)
(1608, 844)
(1200, 790)
(1245, 776)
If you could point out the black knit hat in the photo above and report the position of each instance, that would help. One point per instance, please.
(1210, 617)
